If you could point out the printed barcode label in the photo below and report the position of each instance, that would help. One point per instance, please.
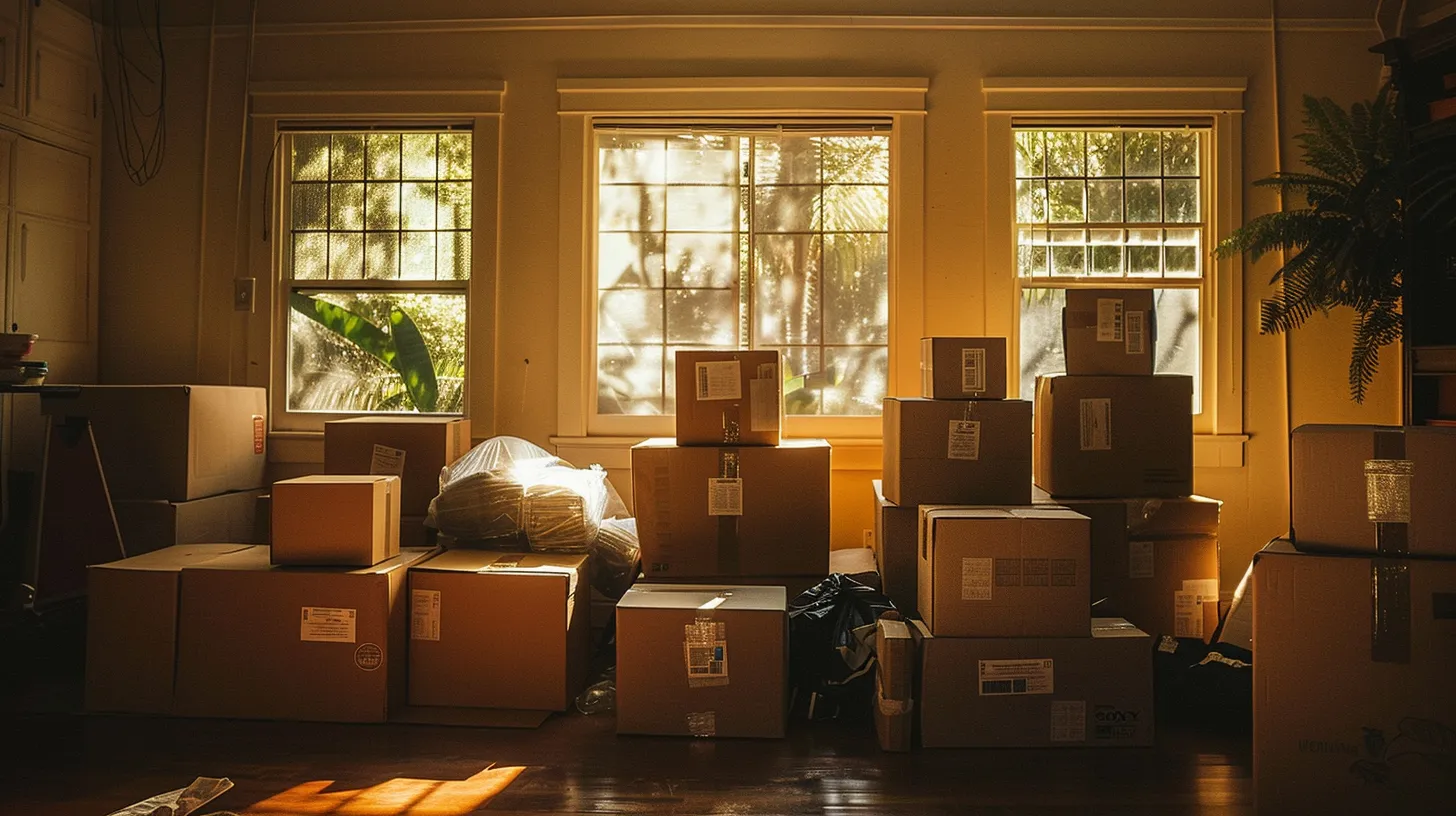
(705, 652)
(725, 497)
(1140, 559)
(1069, 721)
(719, 381)
(1096, 424)
(708, 660)
(386, 461)
(964, 441)
(260, 434)
(1109, 320)
(1003, 677)
(425, 614)
(327, 624)
(1133, 331)
(973, 370)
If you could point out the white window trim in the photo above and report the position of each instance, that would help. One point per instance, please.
(581, 100)
(1220, 427)
(478, 102)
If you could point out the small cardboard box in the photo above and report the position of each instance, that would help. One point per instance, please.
(957, 451)
(151, 525)
(415, 449)
(323, 520)
(894, 719)
(1114, 436)
(1367, 488)
(897, 549)
(131, 627)
(1154, 561)
(729, 397)
(322, 644)
(1066, 692)
(174, 442)
(751, 511)
(963, 367)
(1350, 717)
(1004, 572)
(1109, 331)
(263, 519)
(499, 630)
(702, 661)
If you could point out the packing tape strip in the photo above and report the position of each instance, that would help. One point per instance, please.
(703, 723)
(1387, 496)
(729, 554)
(1390, 596)
(731, 424)
(894, 708)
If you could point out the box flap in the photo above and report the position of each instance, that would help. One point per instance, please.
(705, 597)
(396, 420)
(670, 442)
(1115, 628)
(337, 478)
(174, 558)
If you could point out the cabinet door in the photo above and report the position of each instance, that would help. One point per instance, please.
(51, 283)
(62, 71)
(11, 57)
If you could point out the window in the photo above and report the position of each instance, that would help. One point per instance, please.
(376, 262)
(1116, 207)
(772, 237)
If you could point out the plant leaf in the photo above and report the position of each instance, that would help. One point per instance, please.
(352, 327)
(413, 362)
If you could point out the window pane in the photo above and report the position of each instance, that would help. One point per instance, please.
(310, 159)
(1142, 156)
(453, 206)
(702, 160)
(454, 255)
(346, 157)
(383, 154)
(1104, 201)
(346, 256)
(1065, 153)
(856, 208)
(346, 206)
(630, 208)
(1069, 255)
(629, 379)
(702, 316)
(1180, 200)
(1180, 154)
(702, 259)
(1031, 252)
(804, 379)
(1181, 253)
(417, 255)
(418, 207)
(856, 289)
(1066, 201)
(1106, 252)
(862, 375)
(1104, 154)
(786, 160)
(786, 305)
(1143, 201)
(1143, 252)
(340, 370)
(455, 157)
(623, 159)
(383, 206)
(786, 209)
(310, 255)
(381, 255)
(1030, 153)
(856, 159)
(1177, 344)
(1041, 336)
(1031, 201)
(418, 151)
(697, 209)
(630, 316)
(310, 206)
(629, 260)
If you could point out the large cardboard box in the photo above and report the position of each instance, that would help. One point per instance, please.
(894, 685)
(897, 549)
(702, 661)
(1068, 692)
(963, 367)
(1154, 561)
(1109, 331)
(413, 448)
(1114, 436)
(324, 520)
(1367, 488)
(131, 627)
(257, 641)
(729, 397)
(1004, 572)
(148, 525)
(1353, 704)
(499, 630)
(957, 451)
(750, 511)
(174, 442)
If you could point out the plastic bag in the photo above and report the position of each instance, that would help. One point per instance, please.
(831, 663)
(616, 557)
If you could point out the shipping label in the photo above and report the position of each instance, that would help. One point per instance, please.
(964, 442)
(763, 399)
(725, 497)
(1069, 721)
(386, 461)
(1135, 342)
(719, 380)
(705, 652)
(327, 624)
(425, 614)
(999, 678)
(1140, 559)
(1109, 320)
(976, 578)
(973, 370)
(1096, 424)
(1188, 606)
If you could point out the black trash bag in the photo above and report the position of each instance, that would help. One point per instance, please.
(1205, 686)
(831, 639)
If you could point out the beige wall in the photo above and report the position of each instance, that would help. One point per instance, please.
(157, 325)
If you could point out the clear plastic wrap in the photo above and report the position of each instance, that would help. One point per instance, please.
(616, 557)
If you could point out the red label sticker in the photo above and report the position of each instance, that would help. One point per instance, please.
(259, 435)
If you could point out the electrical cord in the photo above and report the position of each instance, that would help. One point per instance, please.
(134, 80)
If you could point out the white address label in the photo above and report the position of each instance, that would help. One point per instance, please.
(725, 497)
(386, 461)
(973, 370)
(964, 441)
(1135, 342)
(1096, 424)
(719, 381)
(1109, 320)
(327, 624)
(425, 614)
(1003, 677)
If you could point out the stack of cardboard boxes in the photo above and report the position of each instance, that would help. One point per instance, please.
(1355, 627)
(741, 516)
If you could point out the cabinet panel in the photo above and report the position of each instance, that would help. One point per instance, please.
(61, 72)
(51, 181)
(50, 285)
(11, 57)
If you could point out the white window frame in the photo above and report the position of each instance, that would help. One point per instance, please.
(1126, 101)
(278, 106)
(901, 100)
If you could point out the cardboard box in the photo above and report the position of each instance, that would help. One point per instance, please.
(151, 525)
(324, 520)
(957, 452)
(963, 367)
(499, 630)
(897, 549)
(131, 627)
(174, 442)
(895, 654)
(1155, 561)
(1109, 331)
(1004, 572)
(413, 448)
(751, 511)
(793, 585)
(729, 397)
(894, 720)
(1114, 436)
(702, 661)
(1071, 692)
(414, 533)
(1348, 717)
(263, 519)
(323, 644)
(1367, 488)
